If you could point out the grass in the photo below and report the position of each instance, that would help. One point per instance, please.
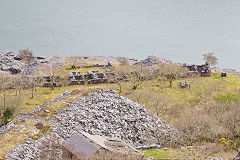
(65, 69)
(160, 154)
(202, 92)
(16, 135)
(36, 135)
(27, 129)
(185, 153)
(42, 95)
(208, 85)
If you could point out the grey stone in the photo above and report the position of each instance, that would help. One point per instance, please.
(238, 156)
(153, 61)
(47, 111)
(104, 113)
(216, 158)
(13, 64)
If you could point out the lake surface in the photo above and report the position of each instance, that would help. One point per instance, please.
(178, 30)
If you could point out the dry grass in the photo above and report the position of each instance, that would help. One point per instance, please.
(194, 111)
(27, 129)
(16, 135)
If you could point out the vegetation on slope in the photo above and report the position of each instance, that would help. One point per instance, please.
(206, 111)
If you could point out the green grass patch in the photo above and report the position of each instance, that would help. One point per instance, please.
(160, 154)
(229, 97)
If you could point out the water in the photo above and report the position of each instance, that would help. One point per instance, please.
(178, 30)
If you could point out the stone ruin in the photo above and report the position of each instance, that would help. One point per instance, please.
(194, 70)
(223, 74)
(48, 81)
(86, 146)
(91, 77)
(184, 84)
(76, 78)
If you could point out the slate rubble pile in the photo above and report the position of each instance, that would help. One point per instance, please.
(9, 64)
(112, 115)
(12, 63)
(225, 70)
(34, 149)
(102, 113)
(152, 61)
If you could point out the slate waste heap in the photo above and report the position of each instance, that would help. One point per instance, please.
(103, 112)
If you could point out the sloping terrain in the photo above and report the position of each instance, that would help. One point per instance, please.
(102, 112)
(109, 114)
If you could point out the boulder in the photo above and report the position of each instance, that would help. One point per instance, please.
(238, 156)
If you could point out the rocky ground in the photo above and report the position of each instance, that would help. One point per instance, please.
(11, 63)
(5, 128)
(152, 61)
(104, 113)
(112, 115)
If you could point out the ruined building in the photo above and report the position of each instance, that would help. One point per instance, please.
(92, 77)
(202, 70)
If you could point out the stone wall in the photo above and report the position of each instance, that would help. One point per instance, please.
(92, 77)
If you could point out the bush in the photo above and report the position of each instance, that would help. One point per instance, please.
(211, 122)
(7, 114)
(229, 97)
(26, 55)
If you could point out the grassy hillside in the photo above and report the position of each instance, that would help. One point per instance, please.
(196, 109)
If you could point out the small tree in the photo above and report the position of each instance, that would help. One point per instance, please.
(5, 84)
(139, 74)
(32, 84)
(136, 75)
(7, 114)
(26, 55)
(119, 76)
(52, 72)
(210, 59)
(123, 61)
(171, 72)
(74, 61)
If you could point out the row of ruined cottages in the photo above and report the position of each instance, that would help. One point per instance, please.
(78, 78)
(91, 77)
(96, 77)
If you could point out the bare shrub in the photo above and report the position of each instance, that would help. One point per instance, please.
(122, 61)
(119, 76)
(206, 89)
(209, 123)
(157, 102)
(171, 72)
(54, 73)
(210, 59)
(136, 75)
(139, 74)
(8, 101)
(26, 55)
